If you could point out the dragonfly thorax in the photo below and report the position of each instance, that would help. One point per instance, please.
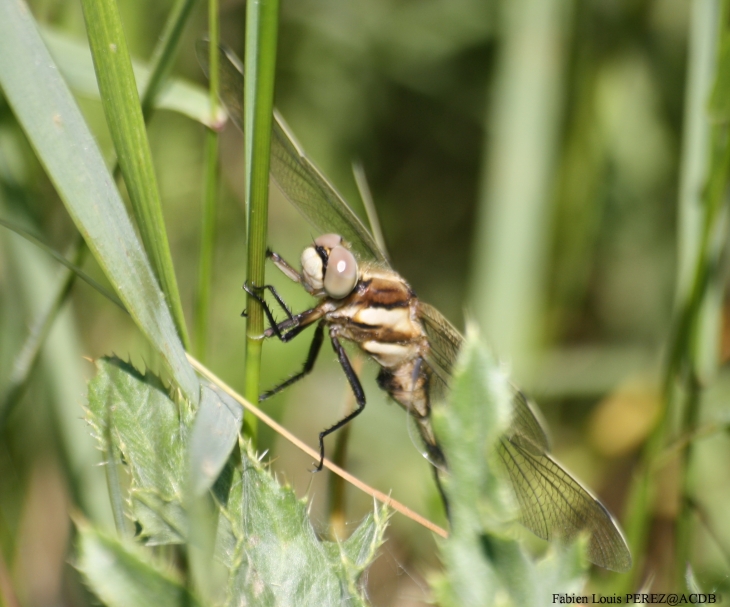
(329, 269)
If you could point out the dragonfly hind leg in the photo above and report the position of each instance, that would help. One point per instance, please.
(356, 389)
(442, 493)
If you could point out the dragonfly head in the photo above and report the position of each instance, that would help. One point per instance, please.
(329, 269)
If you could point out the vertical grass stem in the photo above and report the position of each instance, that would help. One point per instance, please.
(258, 98)
(207, 232)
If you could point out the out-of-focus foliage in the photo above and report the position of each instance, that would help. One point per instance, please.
(483, 564)
(56, 129)
(125, 575)
(408, 88)
(263, 540)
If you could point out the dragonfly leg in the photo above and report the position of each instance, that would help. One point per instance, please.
(283, 266)
(279, 300)
(356, 388)
(308, 363)
(288, 329)
(442, 493)
(275, 328)
(255, 292)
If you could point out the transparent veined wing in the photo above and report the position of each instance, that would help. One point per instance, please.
(445, 343)
(527, 428)
(444, 339)
(552, 503)
(295, 175)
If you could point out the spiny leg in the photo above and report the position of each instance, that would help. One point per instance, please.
(314, 349)
(288, 329)
(253, 290)
(277, 297)
(287, 270)
(293, 325)
(356, 388)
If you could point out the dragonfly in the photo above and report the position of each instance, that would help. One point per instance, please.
(363, 300)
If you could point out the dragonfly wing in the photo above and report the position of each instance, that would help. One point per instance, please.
(230, 78)
(315, 197)
(295, 175)
(554, 504)
(527, 427)
(445, 342)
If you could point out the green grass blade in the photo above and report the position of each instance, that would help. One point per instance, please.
(50, 118)
(207, 231)
(703, 302)
(27, 358)
(260, 64)
(73, 58)
(207, 241)
(218, 421)
(126, 124)
(213, 436)
(31, 292)
(73, 266)
(516, 198)
(690, 350)
(165, 53)
(78, 65)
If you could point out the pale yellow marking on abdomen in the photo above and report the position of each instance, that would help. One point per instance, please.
(397, 319)
(389, 355)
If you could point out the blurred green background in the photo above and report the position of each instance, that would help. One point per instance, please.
(524, 159)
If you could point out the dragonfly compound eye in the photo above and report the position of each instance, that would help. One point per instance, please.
(341, 275)
(328, 241)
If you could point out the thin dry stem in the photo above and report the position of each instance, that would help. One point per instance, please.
(381, 497)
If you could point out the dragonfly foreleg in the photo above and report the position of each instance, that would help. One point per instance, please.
(314, 349)
(288, 329)
(356, 389)
(275, 328)
(254, 291)
(277, 297)
(283, 266)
